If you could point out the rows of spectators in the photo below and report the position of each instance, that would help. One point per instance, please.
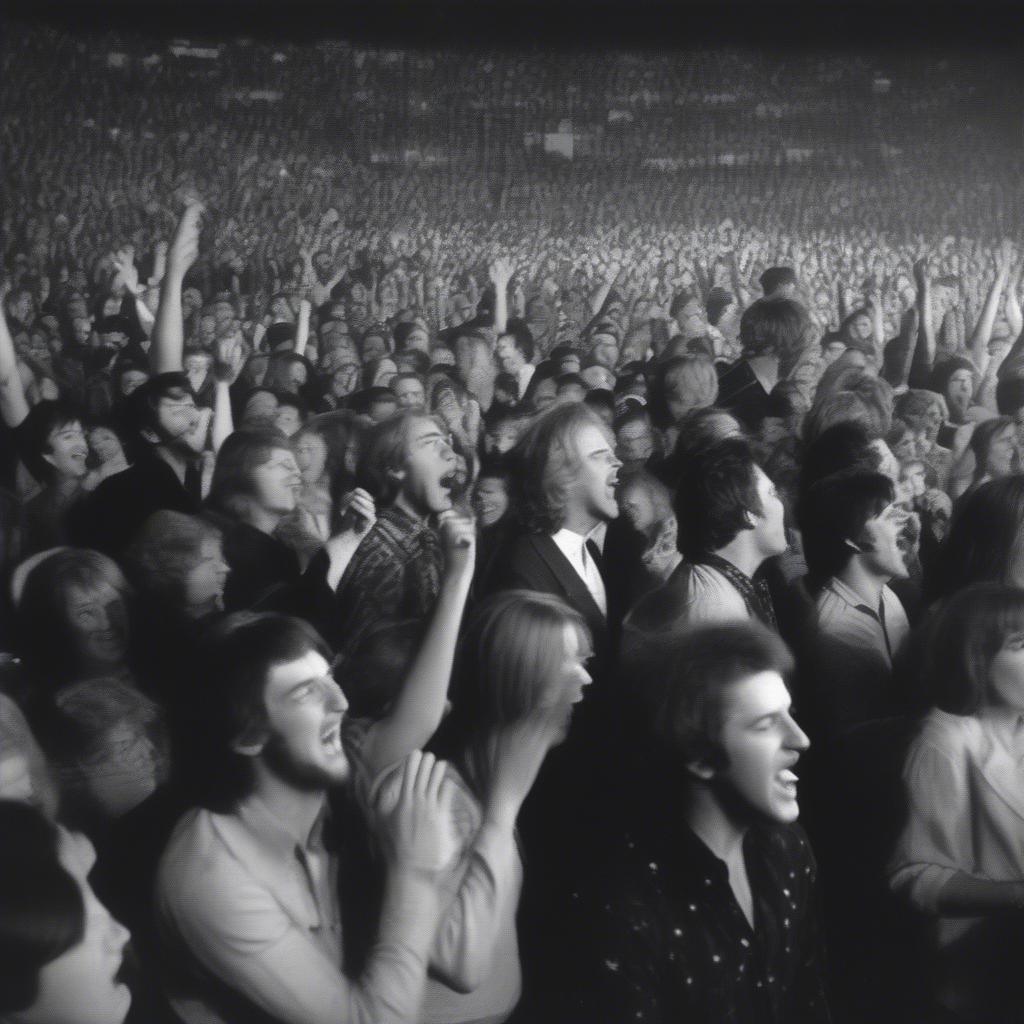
(435, 595)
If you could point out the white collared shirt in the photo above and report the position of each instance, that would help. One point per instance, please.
(574, 547)
(525, 375)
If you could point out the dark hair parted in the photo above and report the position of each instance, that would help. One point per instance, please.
(717, 488)
(963, 638)
(241, 453)
(385, 449)
(546, 462)
(832, 515)
(984, 540)
(42, 912)
(45, 419)
(691, 671)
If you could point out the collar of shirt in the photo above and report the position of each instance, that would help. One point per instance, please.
(571, 544)
(273, 835)
(853, 599)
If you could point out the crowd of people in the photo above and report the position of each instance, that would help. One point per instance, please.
(435, 594)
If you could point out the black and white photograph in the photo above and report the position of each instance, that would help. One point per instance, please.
(511, 513)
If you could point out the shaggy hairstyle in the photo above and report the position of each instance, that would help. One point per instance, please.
(832, 514)
(695, 667)
(985, 538)
(42, 912)
(241, 453)
(45, 631)
(846, 445)
(236, 657)
(717, 490)
(914, 405)
(547, 461)
(385, 450)
(45, 419)
(852, 395)
(693, 375)
(964, 637)
(981, 441)
(772, 327)
(164, 551)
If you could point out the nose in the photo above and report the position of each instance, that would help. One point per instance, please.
(117, 935)
(798, 739)
(334, 697)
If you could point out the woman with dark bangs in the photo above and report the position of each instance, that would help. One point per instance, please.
(62, 953)
(960, 859)
(984, 544)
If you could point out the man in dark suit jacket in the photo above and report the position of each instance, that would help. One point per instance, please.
(566, 473)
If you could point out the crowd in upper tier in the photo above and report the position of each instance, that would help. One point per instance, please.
(434, 589)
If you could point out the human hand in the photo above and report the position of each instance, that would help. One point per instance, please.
(184, 247)
(500, 272)
(458, 540)
(515, 755)
(125, 271)
(358, 512)
(228, 359)
(414, 816)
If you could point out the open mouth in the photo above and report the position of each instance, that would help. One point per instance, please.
(331, 739)
(787, 781)
(449, 483)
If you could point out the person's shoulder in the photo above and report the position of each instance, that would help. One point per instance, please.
(193, 856)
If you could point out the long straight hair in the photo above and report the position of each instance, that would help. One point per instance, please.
(511, 656)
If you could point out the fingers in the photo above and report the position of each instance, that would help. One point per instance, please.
(435, 782)
(410, 775)
(424, 770)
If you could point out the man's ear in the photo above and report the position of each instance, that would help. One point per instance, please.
(700, 769)
(149, 436)
(49, 458)
(397, 475)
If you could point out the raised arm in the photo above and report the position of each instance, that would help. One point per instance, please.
(419, 708)
(924, 348)
(302, 330)
(228, 360)
(600, 296)
(165, 354)
(501, 274)
(982, 333)
(13, 403)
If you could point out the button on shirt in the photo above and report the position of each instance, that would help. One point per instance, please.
(574, 547)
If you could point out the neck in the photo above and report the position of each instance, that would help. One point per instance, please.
(296, 809)
(579, 521)
(263, 519)
(178, 462)
(742, 553)
(720, 832)
(66, 486)
(403, 504)
(866, 585)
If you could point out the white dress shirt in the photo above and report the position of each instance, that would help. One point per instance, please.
(574, 547)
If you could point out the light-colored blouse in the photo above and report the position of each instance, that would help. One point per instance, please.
(475, 975)
(964, 778)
